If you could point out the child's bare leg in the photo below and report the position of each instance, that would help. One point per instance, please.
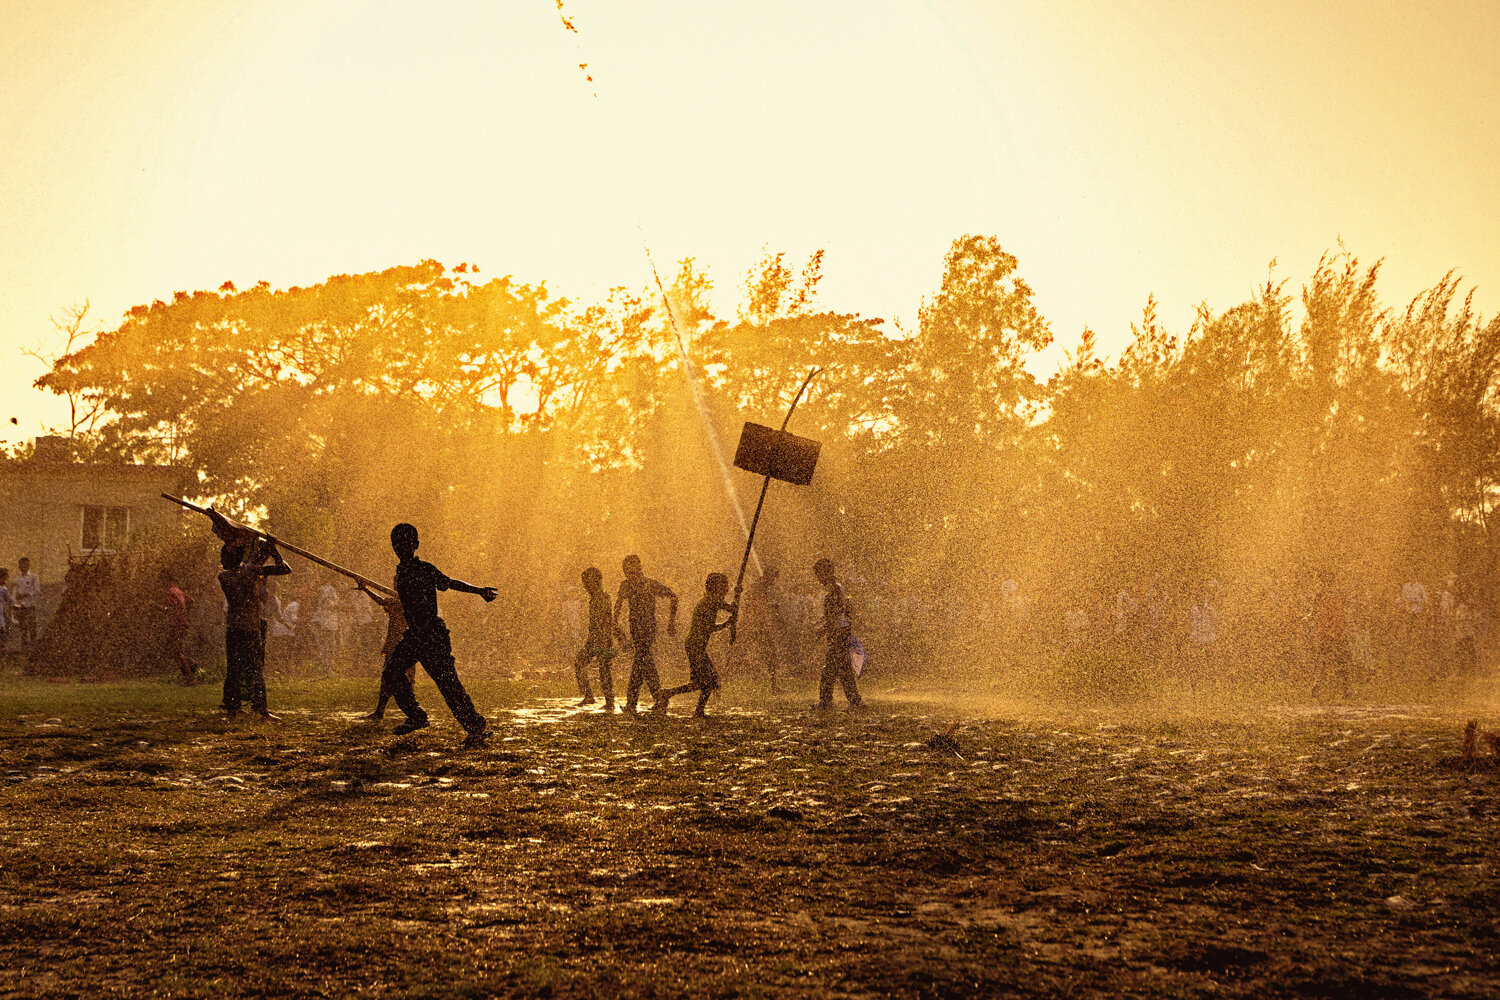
(581, 672)
(607, 683)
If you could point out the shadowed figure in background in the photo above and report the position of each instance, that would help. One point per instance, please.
(175, 603)
(705, 622)
(599, 645)
(763, 626)
(395, 628)
(244, 638)
(837, 629)
(426, 640)
(641, 592)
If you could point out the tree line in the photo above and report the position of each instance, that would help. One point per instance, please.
(530, 435)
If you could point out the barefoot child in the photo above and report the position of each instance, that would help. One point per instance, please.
(837, 630)
(599, 644)
(244, 648)
(426, 640)
(395, 627)
(641, 592)
(705, 679)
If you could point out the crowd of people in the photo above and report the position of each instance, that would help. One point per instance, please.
(20, 596)
(1327, 635)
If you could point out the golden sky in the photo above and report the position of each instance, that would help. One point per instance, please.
(1117, 148)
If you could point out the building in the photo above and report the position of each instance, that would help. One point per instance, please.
(52, 509)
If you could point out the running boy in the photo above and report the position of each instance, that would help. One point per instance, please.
(426, 640)
(705, 679)
(395, 627)
(244, 650)
(837, 630)
(641, 592)
(599, 644)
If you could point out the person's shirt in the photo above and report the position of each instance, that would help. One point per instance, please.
(641, 593)
(5, 603)
(417, 584)
(1205, 624)
(1415, 596)
(242, 606)
(284, 625)
(705, 617)
(326, 614)
(363, 614)
(26, 590)
(836, 612)
(270, 605)
(601, 625)
(762, 607)
(1464, 619)
(177, 613)
(1328, 614)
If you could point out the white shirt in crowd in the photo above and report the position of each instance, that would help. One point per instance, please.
(1205, 624)
(26, 590)
(1415, 596)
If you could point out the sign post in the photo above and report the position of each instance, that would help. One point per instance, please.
(775, 455)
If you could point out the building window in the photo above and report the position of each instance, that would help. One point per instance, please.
(105, 528)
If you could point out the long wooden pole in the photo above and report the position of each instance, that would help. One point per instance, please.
(282, 543)
(739, 583)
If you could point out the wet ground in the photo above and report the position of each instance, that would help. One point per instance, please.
(765, 851)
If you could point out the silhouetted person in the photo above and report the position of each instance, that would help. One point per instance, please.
(763, 626)
(244, 647)
(836, 629)
(641, 592)
(395, 628)
(1330, 632)
(599, 644)
(7, 605)
(705, 679)
(426, 640)
(175, 640)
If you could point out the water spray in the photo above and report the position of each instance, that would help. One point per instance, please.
(688, 369)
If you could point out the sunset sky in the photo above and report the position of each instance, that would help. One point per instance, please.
(1118, 149)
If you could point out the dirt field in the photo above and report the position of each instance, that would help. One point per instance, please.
(150, 849)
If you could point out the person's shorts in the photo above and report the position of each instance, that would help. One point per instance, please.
(604, 653)
(703, 672)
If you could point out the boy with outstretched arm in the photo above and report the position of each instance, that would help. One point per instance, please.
(705, 679)
(395, 628)
(244, 646)
(640, 592)
(426, 640)
(600, 642)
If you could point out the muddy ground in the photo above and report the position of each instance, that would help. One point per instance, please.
(148, 848)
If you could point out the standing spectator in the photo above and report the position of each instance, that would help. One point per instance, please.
(764, 626)
(177, 628)
(1465, 630)
(1361, 629)
(837, 631)
(1204, 635)
(26, 592)
(284, 628)
(326, 621)
(363, 616)
(5, 607)
(1330, 636)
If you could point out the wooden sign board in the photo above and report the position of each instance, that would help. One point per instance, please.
(777, 454)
